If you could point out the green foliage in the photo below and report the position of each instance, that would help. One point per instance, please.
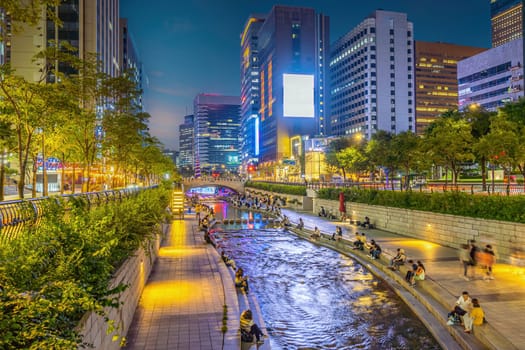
(278, 188)
(502, 208)
(59, 270)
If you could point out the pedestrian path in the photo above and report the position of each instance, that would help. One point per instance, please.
(502, 299)
(182, 304)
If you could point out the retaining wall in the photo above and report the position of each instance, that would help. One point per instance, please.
(134, 273)
(448, 230)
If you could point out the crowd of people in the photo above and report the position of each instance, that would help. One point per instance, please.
(473, 258)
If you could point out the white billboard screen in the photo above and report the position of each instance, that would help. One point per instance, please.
(298, 95)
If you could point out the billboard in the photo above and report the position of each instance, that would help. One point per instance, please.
(298, 99)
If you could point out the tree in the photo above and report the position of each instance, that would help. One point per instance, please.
(381, 153)
(410, 156)
(22, 104)
(448, 142)
(334, 147)
(352, 159)
(479, 119)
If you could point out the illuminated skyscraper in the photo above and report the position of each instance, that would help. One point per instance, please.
(436, 79)
(372, 77)
(292, 43)
(216, 133)
(186, 146)
(250, 93)
(506, 17)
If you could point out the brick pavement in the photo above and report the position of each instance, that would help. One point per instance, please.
(182, 304)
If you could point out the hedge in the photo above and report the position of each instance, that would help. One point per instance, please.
(504, 208)
(55, 272)
(277, 188)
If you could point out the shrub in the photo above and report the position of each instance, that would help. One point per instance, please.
(277, 188)
(54, 273)
(502, 208)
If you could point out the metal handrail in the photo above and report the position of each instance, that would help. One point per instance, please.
(20, 213)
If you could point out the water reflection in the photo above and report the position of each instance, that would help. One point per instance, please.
(315, 298)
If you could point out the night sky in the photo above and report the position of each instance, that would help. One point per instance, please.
(192, 46)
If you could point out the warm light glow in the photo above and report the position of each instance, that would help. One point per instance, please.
(174, 293)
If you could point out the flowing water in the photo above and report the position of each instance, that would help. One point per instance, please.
(314, 298)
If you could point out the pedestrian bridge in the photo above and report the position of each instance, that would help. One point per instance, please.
(236, 185)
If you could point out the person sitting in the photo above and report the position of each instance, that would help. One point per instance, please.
(322, 212)
(366, 223)
(300, 225)
(286, 221)
(474, 317)
(375, 250)
(461, 308)
(249, 328)
(419, 274)
(398, 260)
(241, 281)
(316, 234)
(338, 232)
(360, 241)
(410, 273)
(228, 261)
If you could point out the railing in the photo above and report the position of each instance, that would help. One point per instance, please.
(473, 188)
(18, 214)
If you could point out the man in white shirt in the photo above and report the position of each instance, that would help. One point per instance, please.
(463, 305)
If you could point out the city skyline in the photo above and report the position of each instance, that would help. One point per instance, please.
(194, 47)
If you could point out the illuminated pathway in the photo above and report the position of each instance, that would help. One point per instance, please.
(182, 304)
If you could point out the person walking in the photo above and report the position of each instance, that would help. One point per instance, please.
(490, 260)
(464, 259)
(474, 317)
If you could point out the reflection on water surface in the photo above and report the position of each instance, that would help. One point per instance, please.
(315, 298)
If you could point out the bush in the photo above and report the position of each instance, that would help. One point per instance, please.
(277, 188)
(57, 271)
(502, 208)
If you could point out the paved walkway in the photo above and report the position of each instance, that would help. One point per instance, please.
(502, 299)
(182, 304)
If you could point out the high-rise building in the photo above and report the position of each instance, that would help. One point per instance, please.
(90, 26)
(129, 58)
(186, 146)
(436, 79)
(250, 93)
(506, 17)
(372, 77)
(492, 78)
(292, 43)
(216, 133)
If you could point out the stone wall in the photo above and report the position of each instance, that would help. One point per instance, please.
(506, 237)
(134, 272)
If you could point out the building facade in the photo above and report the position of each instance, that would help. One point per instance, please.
(185, 163)
(250, 93)
(372, 77)
(216, 134)
(129, 58)
(292, 43)
(90, 26)
(506, 17)
(492, 78)
(436, 85)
